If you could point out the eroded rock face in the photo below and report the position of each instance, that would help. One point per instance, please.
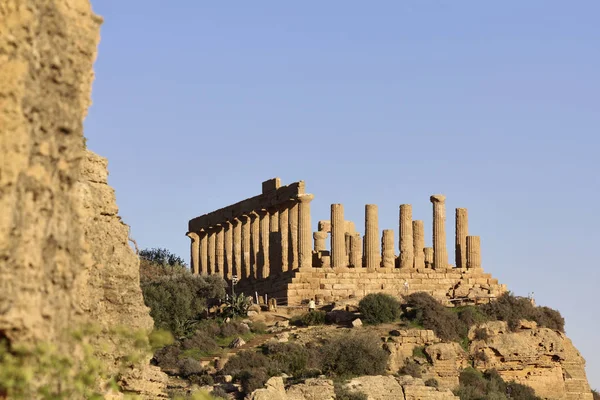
(64, 257)
(541, 358)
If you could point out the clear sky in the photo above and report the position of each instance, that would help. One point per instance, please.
(494, 104)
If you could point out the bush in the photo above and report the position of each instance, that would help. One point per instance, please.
(471, 315)
(411, 368)
(177, 301)
(378, 308)
(432, 382)
(201, 341)
(161, 257)
(202, 380)
(343, 393)
(258, 327)
(481, 334)
(189, 367)
(312, 318)
(167, 358)
(419, 351)
(423, 309)
(291, 359)
(219, 393)
(233, 328)
(354, 354)
(252, 379)
(474, 385)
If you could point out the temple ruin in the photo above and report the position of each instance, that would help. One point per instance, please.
(267, 243)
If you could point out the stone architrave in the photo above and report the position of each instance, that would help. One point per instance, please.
(274, 242)
(372, 252)
(194, 251)
(419, 244)
(246, 247)
(406, 237)
(462, 231)
(338, 236)
(227, 270)
(319, 239)
(304, 231)
(203, 252)
(237, 248)
(440, 253)
(293, 236)
(355, 250)
(473, 252)
(387, 249)
(220, 250)
(212, 236)
(284, 225)
(428, 254)
(255, 243)
(264, 268)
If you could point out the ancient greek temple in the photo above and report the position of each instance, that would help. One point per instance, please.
(267, 243)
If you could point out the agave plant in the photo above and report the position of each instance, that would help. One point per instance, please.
(237, 306)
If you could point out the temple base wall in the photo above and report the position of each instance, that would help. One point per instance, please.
(451, 287)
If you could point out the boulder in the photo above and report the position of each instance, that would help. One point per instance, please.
(237, 342)
(357, 323)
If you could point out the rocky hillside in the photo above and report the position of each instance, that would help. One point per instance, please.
(64, 258)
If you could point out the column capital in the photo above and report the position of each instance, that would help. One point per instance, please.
(193, 235)
(262, 212)
(305, 198)
(252, 215)
(437, 198)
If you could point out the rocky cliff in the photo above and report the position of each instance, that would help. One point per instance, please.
(64, 257)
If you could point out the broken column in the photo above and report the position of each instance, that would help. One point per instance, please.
(440, 253)
(338, 233)
(237, 248)
(371, 243)
(462, 230)
(212, 235)
(255, 243)
(203, 252)
(246, 249)
(355, 250)
(387, 249)
(406, 237)
(220, 250)
(284, 242)
(228, 268)
(428, 255)
(263, 254)
(293, 236)
(418, 244)
(320, 238)
(194, 251)
(473, 252)
(304, 231)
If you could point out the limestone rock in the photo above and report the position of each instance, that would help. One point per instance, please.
(237, 342)
(282, 337)
(357, 323)
(273, 390)
(312, 389)
(415, 389)
(377, 387)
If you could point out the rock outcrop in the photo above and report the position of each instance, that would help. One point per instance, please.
(64, 257)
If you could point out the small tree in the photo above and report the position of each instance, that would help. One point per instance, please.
(377, 308)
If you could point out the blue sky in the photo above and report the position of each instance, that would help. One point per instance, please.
(494, 104)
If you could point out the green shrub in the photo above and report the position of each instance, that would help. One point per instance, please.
(377, 308)
(312, 318)
(343, 393)
(471, 315)
(474, 385)
(189, 367)
(233, 328)
(176, 301)
(481, 334)
(167, 358)
(250, 368)
(202, 341)
(161, 257)
(202, 380)
(354, 354)
(432, 382)
(423, 309)
(258, 327)
(219, 393)
(252, 379)
(291, 358)
(419, 351)
(411, 368)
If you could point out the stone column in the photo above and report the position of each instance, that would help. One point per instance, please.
(428, 254)
(347, 239)
(274, 242)
(246, 249)
(355, 250)
(440, 253)
(220, 250)
(212, 235)
(372, 251)
(304, 231)
(418, 244)
(284, 232)
(473, 252)
(462, 231)
(293, 236)
(203, 252)
(320, 238)
(264, 268)
(255, 243)
(227, 271)
(387, 249)
(237, 248)
(338, 236)
(194, 251)
(406, 237)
